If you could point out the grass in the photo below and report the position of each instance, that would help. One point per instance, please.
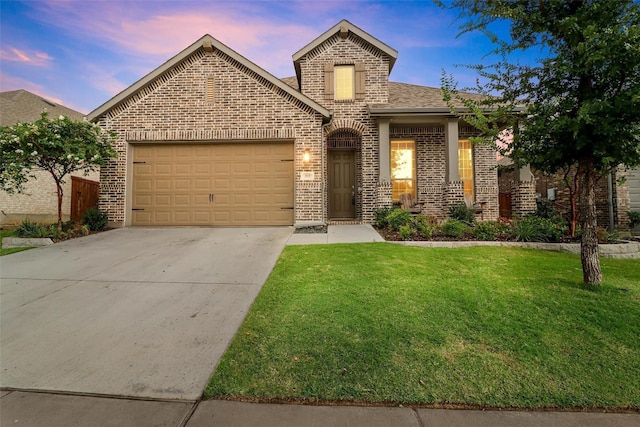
(7, 251)
(381, 323)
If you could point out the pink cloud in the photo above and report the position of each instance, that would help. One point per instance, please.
(38, 59)
(140, 32)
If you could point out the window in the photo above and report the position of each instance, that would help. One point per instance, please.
(403, 168)
(344, 79)
(465, 165)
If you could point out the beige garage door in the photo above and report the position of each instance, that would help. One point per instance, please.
(214, 184)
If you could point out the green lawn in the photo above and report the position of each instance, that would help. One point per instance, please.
(3, 251)
(502, 327)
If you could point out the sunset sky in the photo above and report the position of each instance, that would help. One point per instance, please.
(81, 53)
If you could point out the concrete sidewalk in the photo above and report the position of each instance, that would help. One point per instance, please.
(363, 233)
(52, 410)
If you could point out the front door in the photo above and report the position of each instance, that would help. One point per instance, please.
(342, 181)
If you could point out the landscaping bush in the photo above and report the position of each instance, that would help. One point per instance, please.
(29, 229)
(485, 231)
(397, 218)
(455, 228)
(95, 219)
(407, 232)
(535, 229)
(461, 212)
(423, 225)
(381, 215)
(545, 209)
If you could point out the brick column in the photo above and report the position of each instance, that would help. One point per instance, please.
(523, 197)
(384, 194)
(454, 195)
(523, 192)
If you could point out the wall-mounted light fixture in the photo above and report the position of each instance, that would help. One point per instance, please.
(306, 156)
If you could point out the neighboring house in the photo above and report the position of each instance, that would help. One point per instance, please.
(633, 180)
(612, 197)
(210, 138)
(39, 200)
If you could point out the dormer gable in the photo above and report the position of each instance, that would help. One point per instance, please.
(344, 29)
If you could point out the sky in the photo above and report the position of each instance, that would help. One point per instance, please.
(82, 53)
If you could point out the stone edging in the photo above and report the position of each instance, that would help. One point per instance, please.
(617, 250)
(19, 242)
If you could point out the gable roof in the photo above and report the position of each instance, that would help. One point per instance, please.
(345, 25)
(206, 42)
(24, 106)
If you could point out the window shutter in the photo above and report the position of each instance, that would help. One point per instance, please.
(328, 82)
(360, 79)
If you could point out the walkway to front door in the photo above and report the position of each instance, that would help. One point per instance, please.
(342, 181)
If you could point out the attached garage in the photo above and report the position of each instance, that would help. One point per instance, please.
(230, 184)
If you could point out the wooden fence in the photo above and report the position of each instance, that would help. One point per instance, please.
(84, 195)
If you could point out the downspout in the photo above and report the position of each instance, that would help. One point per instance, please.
(612, 224)
(322, 161)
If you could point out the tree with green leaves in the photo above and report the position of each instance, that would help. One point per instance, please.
(58, 146)
(577, 105)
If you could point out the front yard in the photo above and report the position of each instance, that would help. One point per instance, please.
(381, 323)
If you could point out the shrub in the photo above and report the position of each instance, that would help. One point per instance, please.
(68, 225)
(454, 228)
(381, 215)
(485, 231)
(545, 209)
(30, 229)
(461, 212)
(423, 225)
(407, 232)
(536, 229)
(634, 218)
(397, 218)
(95, 219)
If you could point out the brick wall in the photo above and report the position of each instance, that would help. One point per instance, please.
(174, 108)
(353, 114)
(39, 200)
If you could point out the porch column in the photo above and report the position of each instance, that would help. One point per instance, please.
(523, 191)
(385, 150)
(451, 135)
(384, 165)
(454, 190)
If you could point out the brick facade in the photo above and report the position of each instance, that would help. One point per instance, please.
(174, 109)
(180, 105)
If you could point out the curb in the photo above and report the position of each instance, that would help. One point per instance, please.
(627, 250)
(18, 242)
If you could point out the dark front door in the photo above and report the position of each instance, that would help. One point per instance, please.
(342, 181)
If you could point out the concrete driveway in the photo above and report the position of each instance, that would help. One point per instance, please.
(143, 312)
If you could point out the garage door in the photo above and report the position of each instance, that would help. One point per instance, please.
(214, 184)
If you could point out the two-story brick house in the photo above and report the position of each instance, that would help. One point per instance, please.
(210, 138)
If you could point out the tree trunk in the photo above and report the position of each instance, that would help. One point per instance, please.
(60, 194)
(590, 254)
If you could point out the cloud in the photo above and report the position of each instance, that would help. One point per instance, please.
(142, 35)
(35, 58)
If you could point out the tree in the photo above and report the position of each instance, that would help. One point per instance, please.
(578, 105)
(59, 146)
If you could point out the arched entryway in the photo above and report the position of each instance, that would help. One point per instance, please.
(343, 147)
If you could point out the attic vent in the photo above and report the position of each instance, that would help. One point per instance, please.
(209, 97)
(344, 31)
